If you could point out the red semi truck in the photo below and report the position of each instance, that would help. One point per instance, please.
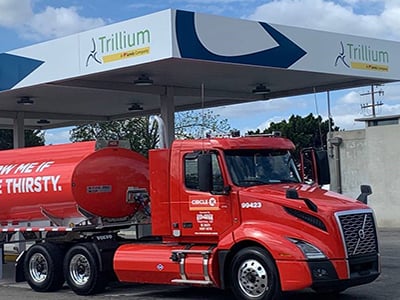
(232, 213)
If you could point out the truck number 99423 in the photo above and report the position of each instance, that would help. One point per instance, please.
(251, 205)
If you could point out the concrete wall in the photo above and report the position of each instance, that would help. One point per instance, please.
(371, 156)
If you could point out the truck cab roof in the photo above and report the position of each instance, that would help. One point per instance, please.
(248, 142)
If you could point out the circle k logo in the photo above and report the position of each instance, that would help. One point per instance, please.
(212, 201)
(200, 204)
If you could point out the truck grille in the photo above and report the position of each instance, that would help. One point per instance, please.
(359, 232)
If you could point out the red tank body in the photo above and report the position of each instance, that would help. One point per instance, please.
(57, 179)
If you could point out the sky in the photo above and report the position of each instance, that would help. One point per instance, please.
(26, 22)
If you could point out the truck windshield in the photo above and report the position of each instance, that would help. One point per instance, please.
(257, 167)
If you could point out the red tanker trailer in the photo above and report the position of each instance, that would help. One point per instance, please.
(232, 213)
(67, 182)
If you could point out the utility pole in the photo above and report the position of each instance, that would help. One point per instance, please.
(372, 104)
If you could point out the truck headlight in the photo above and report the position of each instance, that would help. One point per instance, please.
(309, 250)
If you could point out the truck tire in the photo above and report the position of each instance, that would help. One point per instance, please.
(82, 270)
(43, 267)
(254, 275)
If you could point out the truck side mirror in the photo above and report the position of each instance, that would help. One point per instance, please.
(366, 190)
(317, 165)
(322, 166)
(205, 172)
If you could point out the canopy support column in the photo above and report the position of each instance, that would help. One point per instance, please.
(18, 131)
(19, 142)
(167, 113)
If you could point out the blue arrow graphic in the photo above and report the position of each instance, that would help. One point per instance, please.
(14, 68)
(190, 46)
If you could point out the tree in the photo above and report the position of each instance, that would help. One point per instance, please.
(143, 134)
(196, 124)
(305, 132)
(32, 138)
(139, 131)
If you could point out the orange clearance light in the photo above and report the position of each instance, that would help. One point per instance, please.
(285, 255)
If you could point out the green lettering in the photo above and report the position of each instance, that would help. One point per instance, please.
(357, 54)
(350, 46)
(374, 56)
(384, 56)
(110, 46)
(101, 39)
(365, 53)
(122, 40)
(131, 40)
(141, 37)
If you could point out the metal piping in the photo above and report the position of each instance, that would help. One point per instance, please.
(337, 141)
(161, 131)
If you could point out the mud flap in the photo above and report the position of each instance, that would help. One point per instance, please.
(19, 267)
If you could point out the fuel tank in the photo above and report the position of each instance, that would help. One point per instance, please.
(166, 264)
(56, 180)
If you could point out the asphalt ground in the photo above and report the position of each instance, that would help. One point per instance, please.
(385, 287)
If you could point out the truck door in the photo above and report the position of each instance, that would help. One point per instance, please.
(204, 213)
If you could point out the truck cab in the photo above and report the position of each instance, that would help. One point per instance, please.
(244, 201)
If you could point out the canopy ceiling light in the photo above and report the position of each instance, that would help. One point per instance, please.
(135, 106)
(261, 89)
(143, 80)
(43, 121)
(25, 100)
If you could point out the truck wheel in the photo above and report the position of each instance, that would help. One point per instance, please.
(43, 267)
(254, 275)
(82, 270)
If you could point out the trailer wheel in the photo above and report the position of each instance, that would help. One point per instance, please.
(254, 275)
(82, 270)
(43, 267)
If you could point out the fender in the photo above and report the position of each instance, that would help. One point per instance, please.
(290, 261)
(272, 237)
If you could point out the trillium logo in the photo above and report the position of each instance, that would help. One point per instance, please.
(362, 57)
(119, 45)
(341, 57)
(93, 54)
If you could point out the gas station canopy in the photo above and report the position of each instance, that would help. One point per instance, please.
(178, 60)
